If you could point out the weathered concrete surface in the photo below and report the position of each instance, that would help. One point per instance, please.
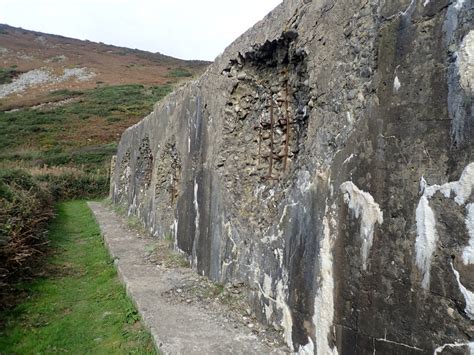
(325, 159)
(176, 329)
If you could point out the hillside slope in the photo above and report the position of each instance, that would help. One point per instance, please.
(77, 65)
(65, 101)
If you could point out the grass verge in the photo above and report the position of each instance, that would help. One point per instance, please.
(80, 307)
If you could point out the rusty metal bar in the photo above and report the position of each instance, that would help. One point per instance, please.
(270, 167)
(285, 162)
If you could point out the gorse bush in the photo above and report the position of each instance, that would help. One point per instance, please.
(25, 209)
(75, 185)
(26, 206)
(7, 75)
(180, 73)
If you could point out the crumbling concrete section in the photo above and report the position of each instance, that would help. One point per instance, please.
(325, 160)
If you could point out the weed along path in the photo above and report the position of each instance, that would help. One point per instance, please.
(80, 307)
(172, 299)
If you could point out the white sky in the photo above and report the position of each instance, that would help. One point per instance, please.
(187, 29)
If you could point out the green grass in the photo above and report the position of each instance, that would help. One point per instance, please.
(180, 73)
(112, 103)
(38, 136)
(80, 134)
(80, 308)
(117, 101)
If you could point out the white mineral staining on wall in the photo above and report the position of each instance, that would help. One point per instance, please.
(396, 84)
(196, 205)
(468, 253)
(409, 10)
(462, 189)
(465, 57)
(468, 295)
(287, 321)
(196, 222)
(323, 317)
(459, 190)
(174, 233)
(441, 348)
(308, 349)
(426, 239)
(279, 301)
(427, 236)
(304, 181)
(349, 158)
(362, 205)
(459, 4)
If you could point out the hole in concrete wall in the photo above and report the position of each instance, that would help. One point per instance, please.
(168, 174)
(144, 165)
(125, 176)
(266, 117)
(268, 108)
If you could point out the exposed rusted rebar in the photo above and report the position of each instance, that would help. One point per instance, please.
(285, 162)
(270, 166)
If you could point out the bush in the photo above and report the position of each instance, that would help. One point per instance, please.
(75, 185)
(180, 73)
(25, 209)
(7, 75)
(26, 206)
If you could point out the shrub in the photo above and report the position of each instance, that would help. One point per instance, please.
(75, 185)
(7, 75)
(26, 205)
(25, 208)
(180, 73)
(65, 93)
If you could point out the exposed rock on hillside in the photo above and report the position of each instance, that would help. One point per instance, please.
(38, 63)
(325, 159)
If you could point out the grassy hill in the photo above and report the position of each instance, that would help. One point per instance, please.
(65, 102)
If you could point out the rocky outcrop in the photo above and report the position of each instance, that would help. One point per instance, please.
(325, 159)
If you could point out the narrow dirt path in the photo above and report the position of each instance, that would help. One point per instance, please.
(177, 328)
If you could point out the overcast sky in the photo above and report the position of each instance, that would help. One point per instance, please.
(187, 29)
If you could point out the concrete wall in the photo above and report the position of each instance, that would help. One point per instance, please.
(325, 159)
